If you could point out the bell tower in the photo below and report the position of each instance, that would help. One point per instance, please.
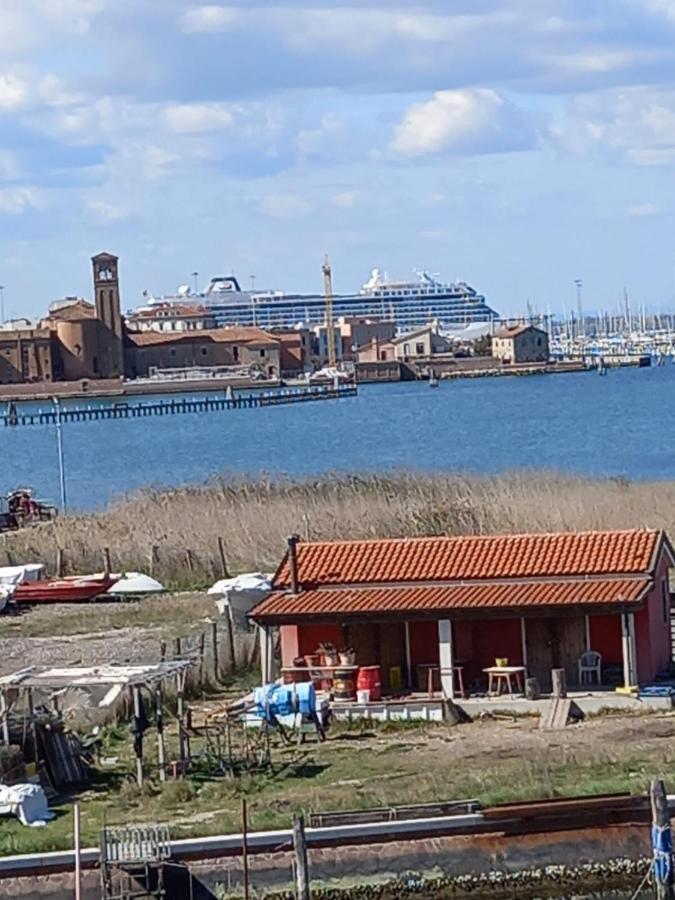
(109, 315)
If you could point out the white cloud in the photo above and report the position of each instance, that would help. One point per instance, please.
(285, 206)
(642, 210)
(17, 200)
(197, 118)
(637, 124)
(345, 200)
(13, 92)
(475, 120)
(209, 19)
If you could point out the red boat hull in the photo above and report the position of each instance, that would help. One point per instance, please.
(61, 590)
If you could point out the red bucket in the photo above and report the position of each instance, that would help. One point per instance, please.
(370, 679)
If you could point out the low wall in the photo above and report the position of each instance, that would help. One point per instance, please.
(456, 856)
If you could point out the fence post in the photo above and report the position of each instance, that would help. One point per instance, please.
(107, 568)
(301, 866)
(153, 559)
(230, 638)
(214, 647)
(59, 562)
(202, 642)
(223, 559)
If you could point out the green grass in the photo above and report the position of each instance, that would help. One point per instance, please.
(354, 769)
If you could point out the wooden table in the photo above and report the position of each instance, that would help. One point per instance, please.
(499, 676)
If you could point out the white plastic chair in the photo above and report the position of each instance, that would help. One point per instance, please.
(590, 664)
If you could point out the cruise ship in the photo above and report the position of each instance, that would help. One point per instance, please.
(410, 304)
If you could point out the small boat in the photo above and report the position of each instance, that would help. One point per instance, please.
(76, 589)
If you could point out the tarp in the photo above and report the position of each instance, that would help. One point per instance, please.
(28, 802)
(17, 574)
(135, 583)
(241, 594)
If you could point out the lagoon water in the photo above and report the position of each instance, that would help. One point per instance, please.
(619, 425)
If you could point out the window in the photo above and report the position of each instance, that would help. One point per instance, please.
(262, 353)
(406, 349)
(665, 600)
(204, 351)
(419, 348)
(235, 354)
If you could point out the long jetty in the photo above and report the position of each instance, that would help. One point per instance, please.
(13, 416)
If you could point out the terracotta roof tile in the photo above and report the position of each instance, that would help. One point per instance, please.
(436, 559)
(222, 335)
(282, 606)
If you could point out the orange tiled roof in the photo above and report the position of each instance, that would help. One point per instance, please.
(339, 603)
(220, 335)
(433, 559)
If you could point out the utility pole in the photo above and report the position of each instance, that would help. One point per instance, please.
(59, 450)
(580, 311)
(330, 324)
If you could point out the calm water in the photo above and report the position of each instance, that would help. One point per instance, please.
(619, 425)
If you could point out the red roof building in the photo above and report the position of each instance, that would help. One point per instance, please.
(538, 600)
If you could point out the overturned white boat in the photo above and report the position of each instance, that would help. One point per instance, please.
(240, 594)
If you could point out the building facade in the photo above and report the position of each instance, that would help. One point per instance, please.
(25, 355)
(249, 348)
(520, 344)
(166, 317)
(536, 600)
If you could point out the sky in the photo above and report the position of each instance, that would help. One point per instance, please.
(515, 144)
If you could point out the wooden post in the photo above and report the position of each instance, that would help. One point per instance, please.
(77, 851)
(59, 562)
(244, 844)
(33, 726)
(408, 655)
(153, 559)
(301, 866)
(138, 740)
(180, 715)
(177, 648)
(202, 643)
(214, 650)
(4, 716)
(229, 631)
(628, 649)
(223, 559)
(162, 651)
(558, 683)
(107, 568)
(159, 715)
(662, 871)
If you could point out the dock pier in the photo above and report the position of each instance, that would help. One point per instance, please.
(120, 409)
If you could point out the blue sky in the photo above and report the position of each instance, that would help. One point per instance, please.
(516, 144)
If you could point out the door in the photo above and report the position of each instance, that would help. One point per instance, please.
(554, 643)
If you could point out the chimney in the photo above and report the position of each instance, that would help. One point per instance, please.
(293, 562)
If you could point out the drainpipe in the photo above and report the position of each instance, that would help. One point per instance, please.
(293, 562)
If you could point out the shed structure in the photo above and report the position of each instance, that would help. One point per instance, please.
(538, 600)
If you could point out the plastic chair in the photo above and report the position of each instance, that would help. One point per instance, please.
(590, 664)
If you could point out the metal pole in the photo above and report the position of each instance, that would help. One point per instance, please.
(59, 449)
(76, 847)
(244, 844)
(661, 842)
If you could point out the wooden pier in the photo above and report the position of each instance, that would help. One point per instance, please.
(123, 410)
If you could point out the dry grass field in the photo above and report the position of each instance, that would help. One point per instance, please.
(253, 518)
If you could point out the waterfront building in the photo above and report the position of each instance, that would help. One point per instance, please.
(253, 348)
(169, 318)
(461, 605)
(25, 354)
(520, 344)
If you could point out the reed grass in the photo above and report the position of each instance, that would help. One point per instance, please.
(253, 518)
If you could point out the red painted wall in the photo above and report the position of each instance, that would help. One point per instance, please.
(300, 640)
(288, 635)
(652, 629)
(494, 638)
(606, 638)
(423, 643)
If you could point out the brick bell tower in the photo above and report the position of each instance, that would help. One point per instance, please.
(109, 315)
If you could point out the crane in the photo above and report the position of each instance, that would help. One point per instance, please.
(330, 325)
